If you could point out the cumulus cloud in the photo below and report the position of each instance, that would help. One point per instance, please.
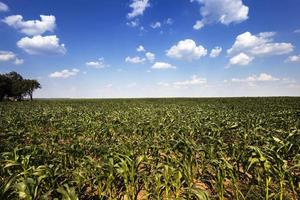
(138, 8)
(41, 45)
(3, 7)
(215, 52)
(261, 45)
(247, 46)
(240, 59)
(198, 25)
(66, 73)
(135, 60)
(222, 11)
(31, 27)
(155, 25)
(194, 80)
(140, 49)
(186, 50)
(150, 56)
(6, 56)
(294, 58)
(98, 64)
(263, 77)
(162, 65)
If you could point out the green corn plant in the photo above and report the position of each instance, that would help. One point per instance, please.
(26, 189)
(167, 173)
(220, 177)
(262, 167)
(158, 187)
(7, 186)
(233, 148)
(177, 183)
(67, 193)
(199, 194)
(129, 170)
(106, 184)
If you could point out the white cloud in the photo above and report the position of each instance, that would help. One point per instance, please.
(222, 11)
(186, 50)
(198, 25)
(6, 56)
(162, 65)
(41, 45)
(261, 45)
(138, 8)
(247, 46)
(31, 27)
(3, 7)
(297, 31)
(66, 73)
(18, 61)
(215, 52)
(240, 59)
(135, 60)
(97, 64)
(263, 77)
(294, 58)
(194, 80)
(140, 48)
(155, 25)
(150, 56)
(273, 49)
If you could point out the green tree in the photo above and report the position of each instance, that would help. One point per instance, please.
(13, 86)
(30, 86)
(17, 87)
(4, 86)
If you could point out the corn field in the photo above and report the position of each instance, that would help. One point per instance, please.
(134, 149)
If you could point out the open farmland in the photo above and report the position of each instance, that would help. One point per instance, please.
(215, 148)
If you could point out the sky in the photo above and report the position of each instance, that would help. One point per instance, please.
(153, 48)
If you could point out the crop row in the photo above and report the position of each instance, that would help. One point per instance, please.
(238, 148)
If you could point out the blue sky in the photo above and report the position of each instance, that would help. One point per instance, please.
(153, 48)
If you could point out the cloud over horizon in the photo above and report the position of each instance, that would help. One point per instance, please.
(66, 73)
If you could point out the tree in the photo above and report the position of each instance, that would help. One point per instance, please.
(4, 86)
(31, 85)
(13, 86)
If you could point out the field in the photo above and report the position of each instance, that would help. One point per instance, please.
(225, 148)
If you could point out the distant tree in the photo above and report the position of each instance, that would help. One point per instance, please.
(17, 86)
(4, 86)
(30, 86)
(13, 86)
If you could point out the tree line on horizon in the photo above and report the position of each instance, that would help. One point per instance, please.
(14, 87)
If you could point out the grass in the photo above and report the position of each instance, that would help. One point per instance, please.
(212, 148)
